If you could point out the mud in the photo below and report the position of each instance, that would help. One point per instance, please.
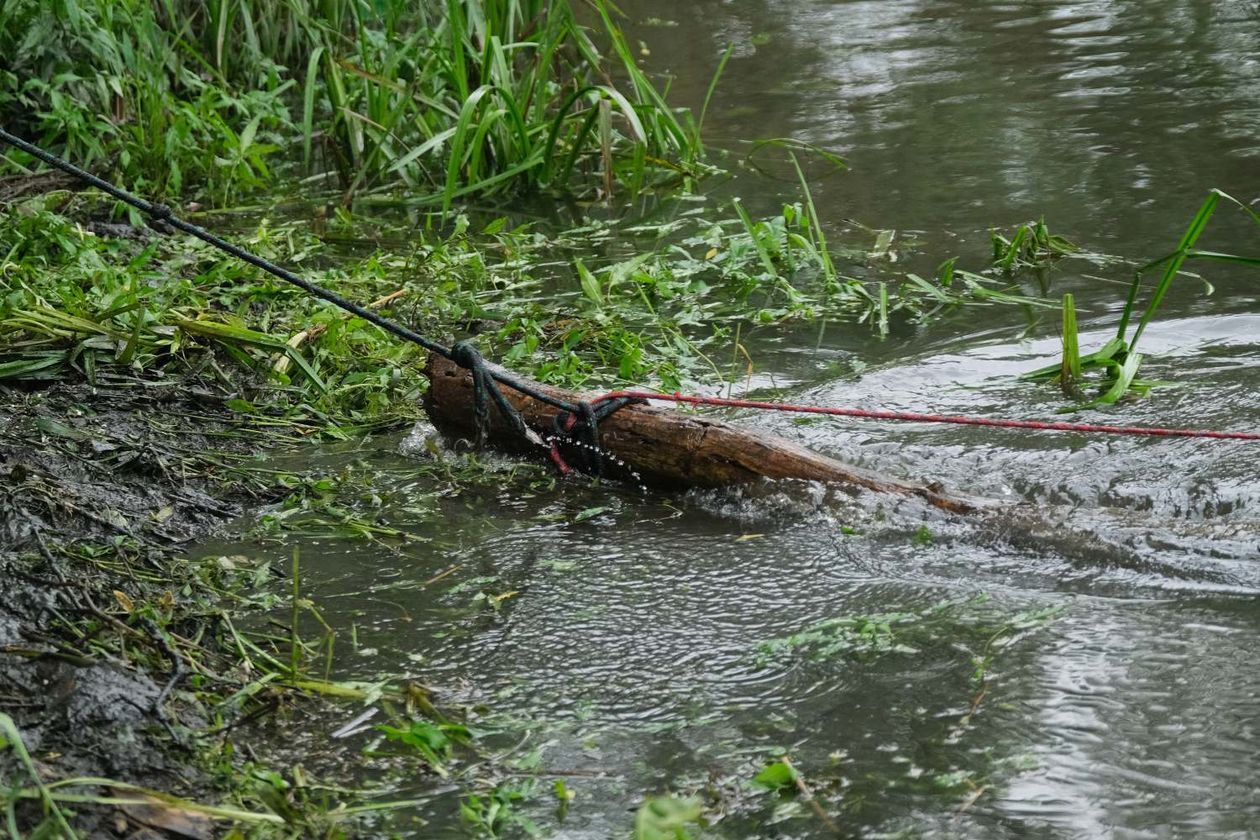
(99, 487)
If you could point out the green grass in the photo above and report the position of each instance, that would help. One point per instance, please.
(73, 304)
(1117, 362)
(446, 100)
(1030, 245)
(435, 105)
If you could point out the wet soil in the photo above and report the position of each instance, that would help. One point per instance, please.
(100, 486)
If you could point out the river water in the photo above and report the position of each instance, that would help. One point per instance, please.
(617, 637)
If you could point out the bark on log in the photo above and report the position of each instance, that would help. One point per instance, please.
(663, 446)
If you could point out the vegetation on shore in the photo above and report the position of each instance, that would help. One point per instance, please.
(215, 100)
(381, 110)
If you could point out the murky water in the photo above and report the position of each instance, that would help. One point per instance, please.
(626, 643)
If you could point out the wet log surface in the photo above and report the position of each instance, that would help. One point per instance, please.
(664, 447)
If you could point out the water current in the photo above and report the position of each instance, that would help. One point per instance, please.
(619, 635)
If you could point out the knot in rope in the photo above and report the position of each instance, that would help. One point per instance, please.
(485, 389)
(581, 424)
(160, 216)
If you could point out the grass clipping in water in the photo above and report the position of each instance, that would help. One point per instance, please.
(866, 638)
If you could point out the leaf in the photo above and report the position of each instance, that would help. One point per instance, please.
(32, 367)
(563, 792)
(666, 818)
(590, 285)
(776, 777)
(228, 332)
(883, 242)
(1098, 358)
(590, 513)
(1124, 378)
(247, 136)
(433, 741)
(169, 819)
(57, 429)
(930, 290)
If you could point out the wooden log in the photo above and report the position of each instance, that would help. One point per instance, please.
(662, 447)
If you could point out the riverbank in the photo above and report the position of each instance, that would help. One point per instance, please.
(209, 483)
(134, 402)
(112, 662)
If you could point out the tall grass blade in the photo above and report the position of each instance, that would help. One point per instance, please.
(815, 224)
(13, 736)
(309, 91)
(1173, 266)
(1228, 258)
(767, 261)
(883, 310)
(708, 94)
(1070, 372)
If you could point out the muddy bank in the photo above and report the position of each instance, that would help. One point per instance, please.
(99, 625)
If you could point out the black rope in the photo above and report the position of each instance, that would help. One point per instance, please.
(465, 355)
(582, 425)
(486, 378)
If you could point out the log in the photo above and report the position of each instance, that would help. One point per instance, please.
(662, 447)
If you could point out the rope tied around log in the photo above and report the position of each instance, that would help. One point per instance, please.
(579, 421)
(485, 390)
(582, 424)
(576, 419)
(486, 379)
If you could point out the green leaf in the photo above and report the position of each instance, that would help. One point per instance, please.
(57, 429)
(590, 285)
(1124, 378)
(666, 818)
(563, 792)
(227, 332)
(1070, 372)
(777, 777)
(32, 367)
(433, 741)
(1098, 358)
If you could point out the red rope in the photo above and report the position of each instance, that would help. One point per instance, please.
(917, 417)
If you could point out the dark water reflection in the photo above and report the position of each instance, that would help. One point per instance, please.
(630, 645)
(1110, 118)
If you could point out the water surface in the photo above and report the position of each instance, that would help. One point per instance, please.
(625, 645)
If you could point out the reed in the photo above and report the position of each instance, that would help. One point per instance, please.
(1118, 361)
(1030, 245)
(441, 100)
